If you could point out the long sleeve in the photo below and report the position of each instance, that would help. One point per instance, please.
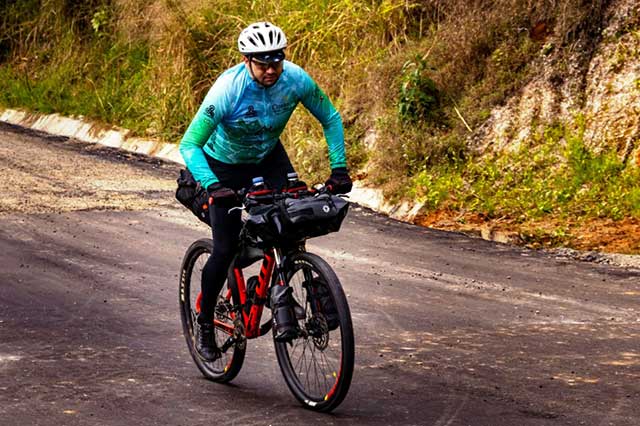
(317, 102)
(203, 125)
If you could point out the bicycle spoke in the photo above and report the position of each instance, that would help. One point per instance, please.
(315, 367)
(225, 368)
(323, 369)
(318, 365)
(304, 348)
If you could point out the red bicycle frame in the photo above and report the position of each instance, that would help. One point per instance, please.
(251, 320)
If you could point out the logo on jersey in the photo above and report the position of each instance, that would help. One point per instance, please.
(318, 93)
(210, 111)
(251, 112)
(280, 108)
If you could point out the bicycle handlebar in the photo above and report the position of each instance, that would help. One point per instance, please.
(270, 196)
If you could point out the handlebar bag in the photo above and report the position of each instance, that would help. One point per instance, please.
(314, 216)
(260, 223)
(295, 219)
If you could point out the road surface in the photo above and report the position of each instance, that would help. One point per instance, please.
(450, 330)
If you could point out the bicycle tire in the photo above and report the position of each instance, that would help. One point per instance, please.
(228, 366)
(332, 366)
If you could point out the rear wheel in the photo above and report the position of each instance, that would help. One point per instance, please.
(228, 366)
(318, 365)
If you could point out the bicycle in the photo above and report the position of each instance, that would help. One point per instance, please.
(318, 362)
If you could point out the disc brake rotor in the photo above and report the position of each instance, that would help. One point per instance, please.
(318, 329)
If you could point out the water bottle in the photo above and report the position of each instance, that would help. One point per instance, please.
(257, 184)
(258, 189)
(293, 182)
(292, 178)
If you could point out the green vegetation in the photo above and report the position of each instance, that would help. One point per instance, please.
(419, 75)
(147, 65)
(419, 98)
(547, 177)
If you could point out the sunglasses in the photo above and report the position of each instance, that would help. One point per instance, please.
(264, 66)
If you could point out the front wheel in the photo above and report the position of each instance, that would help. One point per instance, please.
(318, 365)
(228, 366)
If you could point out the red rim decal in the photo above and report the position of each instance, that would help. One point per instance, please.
(198, 302)
(335, 385)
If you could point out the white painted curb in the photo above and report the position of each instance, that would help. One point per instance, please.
(114, 137)
(83, 130)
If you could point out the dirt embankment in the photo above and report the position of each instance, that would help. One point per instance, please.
(593, 82)
(602, 235)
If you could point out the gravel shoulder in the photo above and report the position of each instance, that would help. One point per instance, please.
(63, 175)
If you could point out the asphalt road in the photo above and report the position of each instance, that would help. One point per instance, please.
(450, 330)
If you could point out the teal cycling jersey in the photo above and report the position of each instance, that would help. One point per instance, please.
(240, 121)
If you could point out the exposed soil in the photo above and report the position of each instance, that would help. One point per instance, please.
(603, 235)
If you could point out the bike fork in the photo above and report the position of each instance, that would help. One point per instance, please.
(277, 254)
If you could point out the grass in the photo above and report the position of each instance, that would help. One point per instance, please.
(96, 61)
(111, 91)
(556, 177)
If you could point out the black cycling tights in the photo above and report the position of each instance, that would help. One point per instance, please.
(226, 226)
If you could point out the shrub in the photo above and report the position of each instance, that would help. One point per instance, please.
(419, 97)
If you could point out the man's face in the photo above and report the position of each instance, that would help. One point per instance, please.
(266, 74)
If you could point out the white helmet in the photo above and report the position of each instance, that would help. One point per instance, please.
(260, 38)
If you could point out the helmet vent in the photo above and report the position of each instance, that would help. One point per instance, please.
(261, 37)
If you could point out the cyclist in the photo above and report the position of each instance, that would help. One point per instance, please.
(234, 137)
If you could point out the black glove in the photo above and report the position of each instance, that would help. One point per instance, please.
(221, 196)
(339, 182)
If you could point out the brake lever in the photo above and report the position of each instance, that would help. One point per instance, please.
(323, 189)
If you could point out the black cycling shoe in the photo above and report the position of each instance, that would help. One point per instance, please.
(206, 342)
